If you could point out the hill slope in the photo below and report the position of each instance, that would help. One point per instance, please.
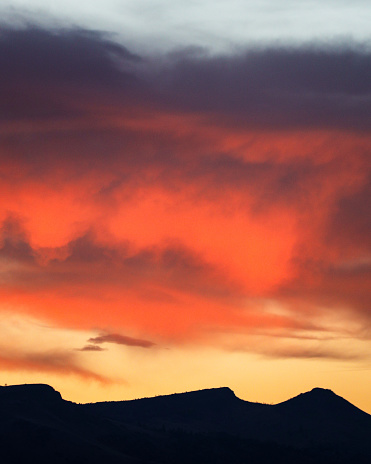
(199, 427)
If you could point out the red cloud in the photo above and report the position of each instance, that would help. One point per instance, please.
(168, 212)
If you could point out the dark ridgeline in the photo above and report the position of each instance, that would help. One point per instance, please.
(203, 427)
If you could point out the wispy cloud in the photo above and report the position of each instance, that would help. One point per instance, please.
(55, 362)
(121, 340)
(91, 348)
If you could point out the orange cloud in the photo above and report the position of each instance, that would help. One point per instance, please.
(52, 362)
(173, 212)
(151, 240)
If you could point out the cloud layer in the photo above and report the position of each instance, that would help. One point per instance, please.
(179, 197)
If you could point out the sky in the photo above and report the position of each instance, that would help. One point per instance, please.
(185, 197)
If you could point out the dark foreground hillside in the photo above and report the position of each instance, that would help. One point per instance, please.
(207, 426)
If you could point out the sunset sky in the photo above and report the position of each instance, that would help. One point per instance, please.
(185, 197)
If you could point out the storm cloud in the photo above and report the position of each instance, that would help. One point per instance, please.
(173, 195)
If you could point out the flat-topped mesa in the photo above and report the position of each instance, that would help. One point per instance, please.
(40, 393)
(207, 395)
(200, 404)
(212, 397)
(220, 394)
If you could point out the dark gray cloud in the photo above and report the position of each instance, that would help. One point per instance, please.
(307, 85)
(121, 340)
(276, 87)
(77, 79)
(62, 56)
(45, 71)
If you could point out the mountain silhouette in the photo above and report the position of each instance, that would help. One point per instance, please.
(38, 393)
(206, 426)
